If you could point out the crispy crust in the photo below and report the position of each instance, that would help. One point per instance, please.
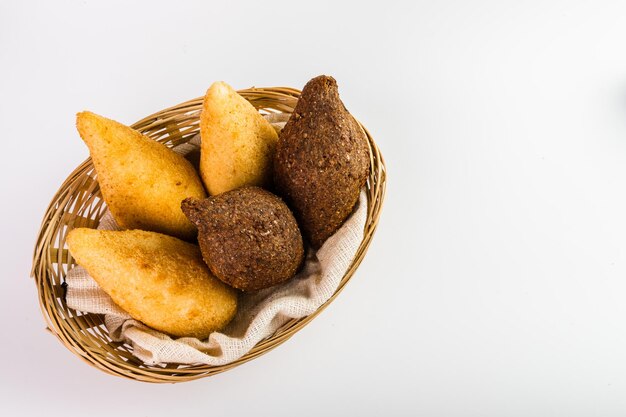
(158, 279)
(142, 181)
(237, 142)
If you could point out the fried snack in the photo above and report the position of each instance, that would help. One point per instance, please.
(237, 142)
(158, 279)
(248, 237)
(142, 181)
(321, 160)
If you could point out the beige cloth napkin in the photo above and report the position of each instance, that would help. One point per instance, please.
(259, 314)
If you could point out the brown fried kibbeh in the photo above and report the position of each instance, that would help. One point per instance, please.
(159, 280)
(321, 161)
(248, 237)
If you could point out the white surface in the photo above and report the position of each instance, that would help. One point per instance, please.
(495, 285)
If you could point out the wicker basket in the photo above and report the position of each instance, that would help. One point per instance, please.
(78, 203)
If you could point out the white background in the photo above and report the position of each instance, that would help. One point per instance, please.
(496, 283)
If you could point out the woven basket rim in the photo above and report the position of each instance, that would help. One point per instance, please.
(77, 204)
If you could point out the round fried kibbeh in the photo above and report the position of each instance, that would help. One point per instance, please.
(248, 237)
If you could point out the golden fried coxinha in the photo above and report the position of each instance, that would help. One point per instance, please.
(142, 181)
(237, 142)
(159, 280)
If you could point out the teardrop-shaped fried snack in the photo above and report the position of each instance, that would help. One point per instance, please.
(237, 142)
(142, 181)
(248, 237)
(159, 280)
(321, 160)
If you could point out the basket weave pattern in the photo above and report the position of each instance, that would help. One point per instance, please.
(78, 203)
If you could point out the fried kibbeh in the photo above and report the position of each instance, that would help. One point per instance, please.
(237, 142)
(142, 181)
(248, 237)
(321, 161)
(159, 280)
